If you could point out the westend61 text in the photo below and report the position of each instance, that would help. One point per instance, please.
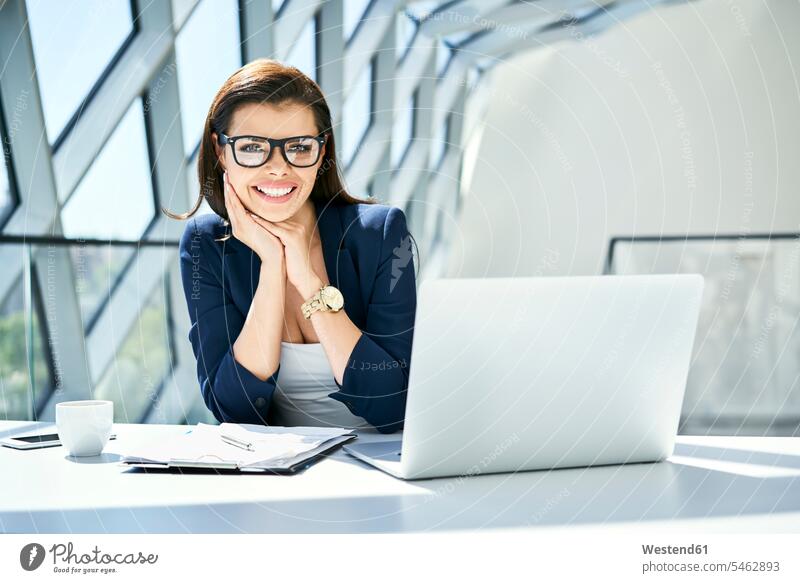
(670, 550)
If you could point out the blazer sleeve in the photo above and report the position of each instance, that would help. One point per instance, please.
(231, 392)
(375, 380)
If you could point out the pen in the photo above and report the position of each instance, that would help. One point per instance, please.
(237, 442)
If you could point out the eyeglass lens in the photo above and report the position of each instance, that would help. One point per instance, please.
(299, 152)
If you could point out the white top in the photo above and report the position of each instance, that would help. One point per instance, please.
(301, 392)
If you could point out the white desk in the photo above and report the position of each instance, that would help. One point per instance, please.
(711, 484)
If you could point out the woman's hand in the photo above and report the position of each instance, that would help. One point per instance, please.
(266, 245)
(296, 244)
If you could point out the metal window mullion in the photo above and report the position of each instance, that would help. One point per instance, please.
(536, 33)
(368, 40)
(458, 16)
(27, 136)
(381, 179)
(370, 156)
(257, 24)
(373, 157)
(27, 310)
(455, 122)
(33, 170)
(180, 384)
(178, 21)
(416, 211)
(423, 133)
(288, 28)
(162, 109)
(64, 325)
(413, 68)
(414, 165)
(112, 327)
(448, 88)
(500, 16)
(442, 191)
(5, 165)
(170, 190)
(424, 106)
(475, 105)
(330, 53)
(157, 80)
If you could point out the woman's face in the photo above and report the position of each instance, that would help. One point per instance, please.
(276, 174)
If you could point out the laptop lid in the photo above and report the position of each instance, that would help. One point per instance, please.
(512, 374)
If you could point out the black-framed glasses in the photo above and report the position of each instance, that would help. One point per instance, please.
(254, 151)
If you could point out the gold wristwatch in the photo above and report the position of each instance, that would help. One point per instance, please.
(327, 299)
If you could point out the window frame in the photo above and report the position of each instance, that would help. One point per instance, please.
(13, 190)
(84, 104)
(40, 398)
(414, 122)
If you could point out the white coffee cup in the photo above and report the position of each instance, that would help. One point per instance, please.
(84, 427)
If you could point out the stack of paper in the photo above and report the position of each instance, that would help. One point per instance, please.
(269, 447)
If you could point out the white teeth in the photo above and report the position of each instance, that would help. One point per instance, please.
(275, 191)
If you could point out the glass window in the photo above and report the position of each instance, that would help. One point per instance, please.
(743, 378)
(359, 186)
(15, 372)
(277, 5)
(472, 78)
(357, 114)
(97, 270)
(442, 57)
(405, 29)
(181, 9)
(403, 130)
(457, 38)
(133, 379)
(115, 198)
(303, 53)
(353, 14)
(422, 10)
(207, 52)
(72, 46)
(194, 188)
(439, 143)
(367, 191)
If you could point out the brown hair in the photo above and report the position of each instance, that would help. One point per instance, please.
(265, 81)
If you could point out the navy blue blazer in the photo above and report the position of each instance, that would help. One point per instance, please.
(367, 251)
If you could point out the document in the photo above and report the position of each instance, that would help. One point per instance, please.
(269, 447)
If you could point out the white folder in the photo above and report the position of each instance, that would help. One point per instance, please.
(269, 449)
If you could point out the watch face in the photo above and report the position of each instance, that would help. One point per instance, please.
(332, 298)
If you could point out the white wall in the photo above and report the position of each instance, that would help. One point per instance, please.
(683, 119)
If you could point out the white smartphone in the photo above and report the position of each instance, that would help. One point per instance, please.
(34, 441)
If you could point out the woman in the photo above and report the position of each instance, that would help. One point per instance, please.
(301, 298)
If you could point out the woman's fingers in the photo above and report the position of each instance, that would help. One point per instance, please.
(238, 206)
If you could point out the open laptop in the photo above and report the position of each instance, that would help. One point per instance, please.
(513, 374)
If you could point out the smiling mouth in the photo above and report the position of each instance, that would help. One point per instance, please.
(275, 194)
